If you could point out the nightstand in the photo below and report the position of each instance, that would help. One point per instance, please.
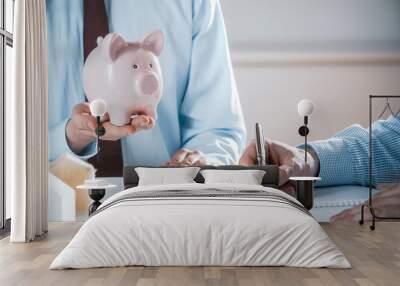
(305, 190)
(96, 190)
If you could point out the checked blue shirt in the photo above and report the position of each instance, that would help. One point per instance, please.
(344, 157)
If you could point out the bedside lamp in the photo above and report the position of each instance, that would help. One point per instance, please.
(305, 185)
(98, 108)
(305, 108)
(97, 187)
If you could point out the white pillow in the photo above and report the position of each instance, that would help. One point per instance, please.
(163, 176)
(248, 177)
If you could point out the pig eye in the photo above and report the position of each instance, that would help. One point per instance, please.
(151, 65)
(135, 67)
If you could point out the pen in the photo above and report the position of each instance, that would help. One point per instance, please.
(260, 146)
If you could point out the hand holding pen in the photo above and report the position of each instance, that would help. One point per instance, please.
(289, 159)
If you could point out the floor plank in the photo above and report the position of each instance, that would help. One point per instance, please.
(375, 257)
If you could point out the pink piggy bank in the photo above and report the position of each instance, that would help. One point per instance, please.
(127, 76)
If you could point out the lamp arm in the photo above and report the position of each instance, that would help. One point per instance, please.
(100, 131)
(305, 138)
(305, 148)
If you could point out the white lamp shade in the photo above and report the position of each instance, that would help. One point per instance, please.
(305, 107)
(98, 107)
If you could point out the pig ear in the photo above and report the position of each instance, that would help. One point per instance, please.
(154, 42)
(111, 45)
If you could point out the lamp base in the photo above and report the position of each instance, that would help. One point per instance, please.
(305, 193)
(305, 190)
(96, 195)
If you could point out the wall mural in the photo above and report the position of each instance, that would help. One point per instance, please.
(132, 85)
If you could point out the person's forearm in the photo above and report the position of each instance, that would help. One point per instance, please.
(335, 163)
(344, 158)
(218, 132)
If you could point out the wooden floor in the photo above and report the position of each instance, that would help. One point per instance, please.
(375, 257)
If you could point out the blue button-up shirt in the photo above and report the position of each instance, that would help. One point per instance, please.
(344, 157)
(200, 108)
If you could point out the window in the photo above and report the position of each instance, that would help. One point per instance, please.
(6, 44)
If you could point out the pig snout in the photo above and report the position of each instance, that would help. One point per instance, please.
(148, 84)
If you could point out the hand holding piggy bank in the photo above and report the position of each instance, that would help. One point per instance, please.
(126, 75)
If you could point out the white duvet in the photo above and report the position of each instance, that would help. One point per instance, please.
(200, 231)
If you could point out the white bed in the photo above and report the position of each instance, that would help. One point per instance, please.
(264, 228)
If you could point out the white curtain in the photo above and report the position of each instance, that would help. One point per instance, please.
(27, 155)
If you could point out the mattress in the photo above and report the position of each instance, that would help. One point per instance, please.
(329, 201)
(201, 225)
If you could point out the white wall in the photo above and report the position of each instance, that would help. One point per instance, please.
(340, 94)
(333, 52)
(332, 23)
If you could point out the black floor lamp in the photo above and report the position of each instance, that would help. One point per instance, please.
(369, 204)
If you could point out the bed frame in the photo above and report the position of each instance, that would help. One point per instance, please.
(270, 179)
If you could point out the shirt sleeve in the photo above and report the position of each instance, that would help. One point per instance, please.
(344, 158)
(58, 143)
(210, 114)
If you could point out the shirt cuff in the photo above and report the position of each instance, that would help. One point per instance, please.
(89, 151)
(335, 162)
